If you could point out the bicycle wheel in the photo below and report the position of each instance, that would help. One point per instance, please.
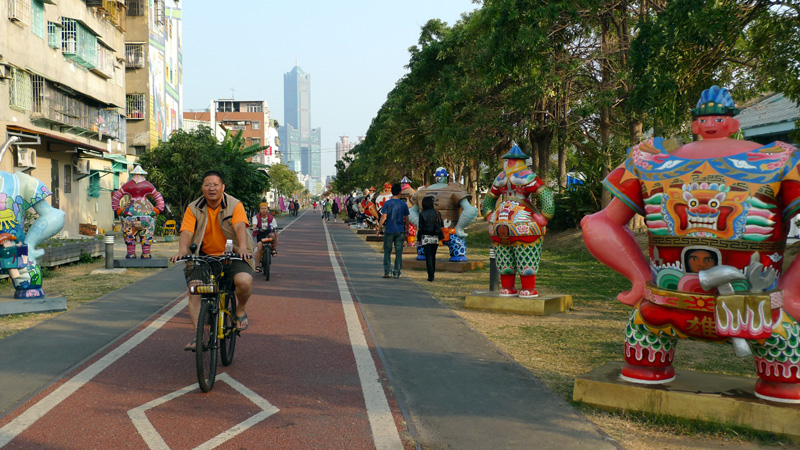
(206, 352)
(266, 261)
(228, 343)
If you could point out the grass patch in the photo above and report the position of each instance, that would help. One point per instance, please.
(74, 282)
(560, 347)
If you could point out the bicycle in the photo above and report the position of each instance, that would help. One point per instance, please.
(266, 256)
(216, 323)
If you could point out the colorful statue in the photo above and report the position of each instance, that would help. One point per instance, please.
(452, 201)
(18, 252)
(406, 193)
(368, 208)
(716, 212)
(516, 226)
(138, 217)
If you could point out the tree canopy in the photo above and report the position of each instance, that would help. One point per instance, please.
(175, 168)
(575, 82)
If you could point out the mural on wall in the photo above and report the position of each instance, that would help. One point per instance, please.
(165, 73)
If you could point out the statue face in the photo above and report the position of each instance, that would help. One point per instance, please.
(715, 127)
(700, 260)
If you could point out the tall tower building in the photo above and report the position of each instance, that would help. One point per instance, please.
(301, 144)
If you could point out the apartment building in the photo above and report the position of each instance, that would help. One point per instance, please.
(154, 72)
(62, 97)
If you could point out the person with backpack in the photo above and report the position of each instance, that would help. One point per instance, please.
(429, 233)
(264, 226)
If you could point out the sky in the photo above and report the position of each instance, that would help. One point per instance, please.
(354, 50)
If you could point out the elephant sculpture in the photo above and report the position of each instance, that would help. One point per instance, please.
(18, 253)
(138, 217)
(451, 200)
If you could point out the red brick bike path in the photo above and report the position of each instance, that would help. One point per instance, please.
(296, 357)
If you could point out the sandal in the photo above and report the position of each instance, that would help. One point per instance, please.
(274, 252)
(190, 347)
(242, 320)
(258, 269)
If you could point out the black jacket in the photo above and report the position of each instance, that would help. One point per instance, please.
(430, 223)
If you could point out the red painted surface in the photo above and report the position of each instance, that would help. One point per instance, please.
(296, 354)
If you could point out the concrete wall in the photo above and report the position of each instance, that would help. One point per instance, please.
(59, 144)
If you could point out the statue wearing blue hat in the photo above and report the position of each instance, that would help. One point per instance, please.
(717, 212)
(516, 225)
(451, 200)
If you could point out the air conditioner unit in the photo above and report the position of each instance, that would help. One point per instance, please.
(82, 166)
(26, 157)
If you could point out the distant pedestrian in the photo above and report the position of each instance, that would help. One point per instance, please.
(335, 210)
(326, 210)
(395, 218)
(291, 208)
(296, 207)
(429, 233)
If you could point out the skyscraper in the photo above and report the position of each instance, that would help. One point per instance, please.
(301, 143)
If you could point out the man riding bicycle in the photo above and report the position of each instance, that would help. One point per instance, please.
(208, 223)
(264, 226)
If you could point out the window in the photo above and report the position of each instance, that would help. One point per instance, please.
(134, 56)
(67, 178)
(256, 125)
(105, 62)
(160, 12)
(19, 90)
(253, 107)
(78, 43)
(19, 11)
(256, 141)
(225, 107)
(54, 34)
(37, 18)
(38, 94)
(94, 184)
(135, 7)
(134, 104)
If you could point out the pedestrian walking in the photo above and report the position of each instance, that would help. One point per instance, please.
(429, 233)
(395, 218)
(326, 210)
(335, 210)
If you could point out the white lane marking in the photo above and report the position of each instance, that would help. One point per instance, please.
(384, 430)
(154, 440)
(43, 406)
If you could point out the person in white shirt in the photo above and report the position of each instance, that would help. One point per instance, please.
(264, 225)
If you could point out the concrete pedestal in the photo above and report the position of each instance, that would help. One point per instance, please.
(48, 303)
(147, 263)
(443, 265)
(542, 305)
(692, 395)
(364, 231)
(373, 238)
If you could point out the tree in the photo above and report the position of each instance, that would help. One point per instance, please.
(284, 180)
(176, 166)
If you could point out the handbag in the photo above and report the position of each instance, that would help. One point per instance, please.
(428, 239)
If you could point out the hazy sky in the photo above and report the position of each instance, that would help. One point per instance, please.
(355, 51)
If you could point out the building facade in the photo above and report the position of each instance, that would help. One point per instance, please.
(62, 96)
(301, 144)
(154, 72)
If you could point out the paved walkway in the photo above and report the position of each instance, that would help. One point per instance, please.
(302, 353)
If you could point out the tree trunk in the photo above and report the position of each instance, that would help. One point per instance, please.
(605, 109)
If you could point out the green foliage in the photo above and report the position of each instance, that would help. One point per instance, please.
(86, 258)
(176, 166)
(284, 180)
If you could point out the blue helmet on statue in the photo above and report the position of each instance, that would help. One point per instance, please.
(441, 174)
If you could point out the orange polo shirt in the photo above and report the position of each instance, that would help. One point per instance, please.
(213, 239)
